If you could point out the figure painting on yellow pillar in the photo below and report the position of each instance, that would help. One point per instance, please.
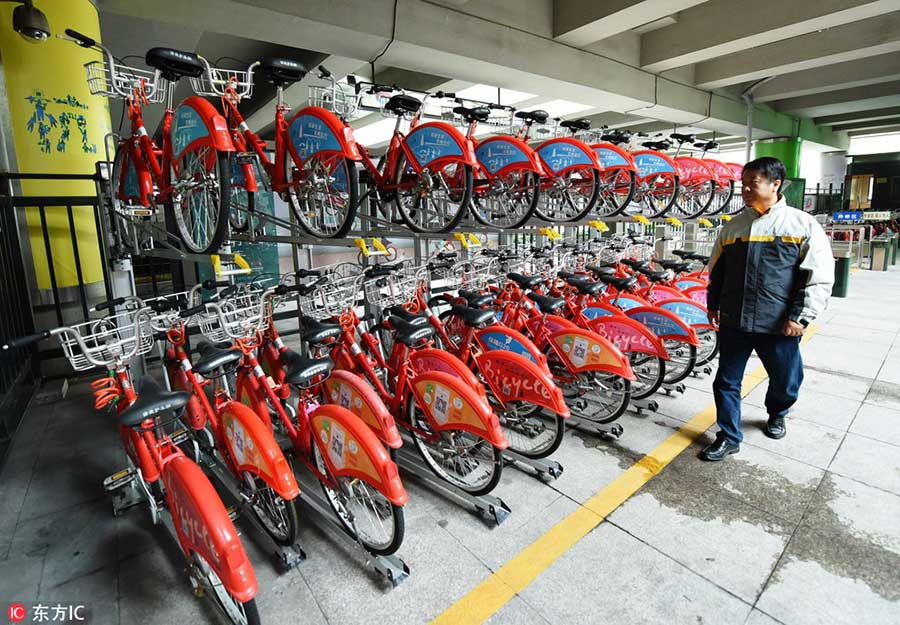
(57, 126)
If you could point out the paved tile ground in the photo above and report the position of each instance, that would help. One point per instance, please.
(799, 531)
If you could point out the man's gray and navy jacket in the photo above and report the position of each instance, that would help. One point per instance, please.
(766, 269)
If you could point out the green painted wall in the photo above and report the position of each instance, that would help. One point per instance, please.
(787, 151)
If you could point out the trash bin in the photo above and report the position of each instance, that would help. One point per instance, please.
(881, 252)
(895, 247)
(842, 262)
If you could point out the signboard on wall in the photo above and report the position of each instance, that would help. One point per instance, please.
(845, 216)
(876, 215)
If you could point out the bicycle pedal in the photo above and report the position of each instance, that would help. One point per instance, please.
(118, 480)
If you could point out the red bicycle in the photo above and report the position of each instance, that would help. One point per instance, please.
(168, 479)
(190, 173)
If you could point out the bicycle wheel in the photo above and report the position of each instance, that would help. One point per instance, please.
(363, 511)
(608, 398)
(243, 203)
(531, 430)
(201, 198)
(569, 197)
(709, 346)
(649, 370)
(432, 201)
(323, 193)
(457, 457)
(617, 188)
(683, 358)
(658, 194)
(509, 201)
(722, 199)
(237, 612)
(277, 516)
(694, 199)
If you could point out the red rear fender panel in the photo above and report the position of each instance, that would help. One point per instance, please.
(558, 156)
(664, 324)
(203, 526)
(423, 360)
(351, 449)
(253, 448)
(314, 131)
(497, 337)
(516, 378)
(196, 121)
(435, 142)
(583, 350)
(694, 171)
(350, 391)
(449, 404)
(499, 155)
(689, 311)
(629, 335)
(613, 157)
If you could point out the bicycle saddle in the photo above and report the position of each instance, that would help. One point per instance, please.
(401, 104)
(416, 319)
(706, 146)
(583, 285)
(300, 371)
(576, 124)
(174, 64)
(691, 256)
(547, 304)
(677, 266)
(407, 333)
(601, 270)
(616, 138)
(659, 146)
(283, 72)
(473, 317)
(525, 282)
(315, 332)
(680, 138)
(622, 284)
(477, 114)
(213, 357)
(655, 276)
(538, 116)
(635, 264)
(476, 300)
(151, 401)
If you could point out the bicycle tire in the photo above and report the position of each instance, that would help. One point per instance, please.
(640, 389)
(496, 459)
(558, 429)
(578, 213)
(623, 398)
(689, 193)
(292, 534)
(686, 364)
(535, 184)
(398, 522)
(462, 178)
(243, 203)
(220, 208)
(656, 212)
(706, 356)
(723, 199)
(249, 609)
(339, 225)
(619, 206)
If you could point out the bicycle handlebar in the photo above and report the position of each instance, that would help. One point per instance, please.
(82, 40)
(22, 341)
(209, 285)
(109, 304)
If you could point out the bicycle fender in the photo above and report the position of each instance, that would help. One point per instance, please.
(139, 453)
(449, 404)
(723, 171)
(697, 293)
(737, 169)
(351, 449)
(664, 324)
(499, 155)
(554, 323)
(584, 350)
(514, 377)
(688, 311)
(650, 163)
(424, 360)
(629, 335)
(437, 141)
(685, 283)
(597, 310)
(202, 525)
(613, 157)
(136, 181)
(350, 391)
(662, 292)
(693, 170)
(198, 121)
(500, 337)
(560, 155)
(314, 130)
(253, 448)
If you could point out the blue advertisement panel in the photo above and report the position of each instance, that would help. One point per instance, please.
(627, 303)
(659, 324)
(495, 155)
(593, 312)
(650, 164)
(689, 312)
(559, 155)
(610, 158)
(429, 143)
(187, 127)
(309, 135)
(506, 342)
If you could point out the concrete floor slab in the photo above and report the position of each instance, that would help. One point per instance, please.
(884, 394)
(805, 441)
(713, 528)
(683, 406)
(612, 577)
(835, 412)
(878, 422)
(816, 382)
(890, 370)
(856, 320)
(869, 461)
(855, 357)
(760, 618)
(517, 612)
(861, 333)
(97, 591)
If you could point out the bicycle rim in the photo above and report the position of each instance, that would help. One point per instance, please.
(364, 512)
(323, 193)
(203, 198)
(722, 199)
(607, 399)
(682, 358)
(455, 456)
(239, 613)
(657, 195)
(616, 191)
(243, 203)
(649, 370)
(531, 430)
(709, 346)
(511, 205)
(277, 516)
(433, 201)
(569, 197)
(693, 200)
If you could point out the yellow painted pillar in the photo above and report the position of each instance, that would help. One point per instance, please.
(57, 127)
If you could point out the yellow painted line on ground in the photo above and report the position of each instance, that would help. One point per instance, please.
(486, 598)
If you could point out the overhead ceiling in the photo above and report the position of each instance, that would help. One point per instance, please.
(645, 64)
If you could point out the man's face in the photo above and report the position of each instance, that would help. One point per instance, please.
(757, 190)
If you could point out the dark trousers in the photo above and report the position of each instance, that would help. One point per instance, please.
(780, 356)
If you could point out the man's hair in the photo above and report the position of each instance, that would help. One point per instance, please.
(768, 166)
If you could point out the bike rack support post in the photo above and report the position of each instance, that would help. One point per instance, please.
(613, 431)
(671, 389)
(541, 468)
(491, 509)
(705, 371)
(640, 406)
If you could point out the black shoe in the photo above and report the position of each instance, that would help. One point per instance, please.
(718, 450)
(775, 427)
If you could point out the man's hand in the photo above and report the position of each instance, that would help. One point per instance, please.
(713, 316)
(792, 328)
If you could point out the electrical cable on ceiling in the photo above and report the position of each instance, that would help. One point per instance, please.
(393, 36)
(655, 97)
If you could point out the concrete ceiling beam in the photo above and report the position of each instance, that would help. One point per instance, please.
(868, 125)
(857, 96)
(883, 130)
(582, 22)
(721, 27)
(865, 38)
(870, 71)
(858, 116)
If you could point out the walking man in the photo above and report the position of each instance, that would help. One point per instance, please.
(770, 274)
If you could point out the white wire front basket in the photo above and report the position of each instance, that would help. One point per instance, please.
(475, 274)
(341, 99)
(238, 316)
(217, 81)
(396, 288)
(331, 299)
(639, 251)
(164, 311)
(120, 81)
(499, 118)
(107, 341)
